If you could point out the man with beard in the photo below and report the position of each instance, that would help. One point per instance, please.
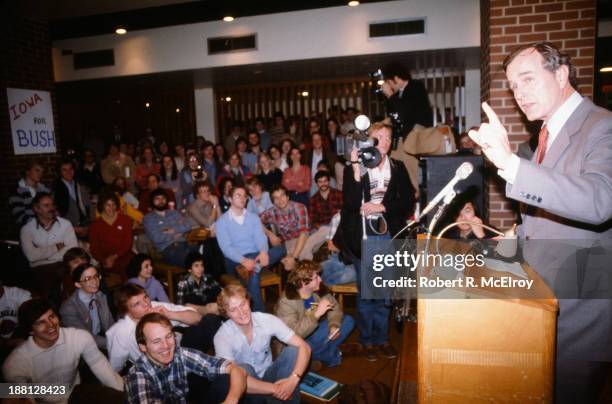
(166, 228)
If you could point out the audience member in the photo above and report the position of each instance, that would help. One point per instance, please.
(117, 164)
(243, 242)
(225, 186)
(291, 220)
(140, 272)
(72, 199)
(52, 355)
(319, 153)
(267, 173)
(335, 271)
(254, 145)
(220, 154)
(87, 308)
(89, 173)
(190, 175)
(309, 309)
(161, 374)
(236, 170)
(264, 137)
(44, 241)
(230, 141)
(169, 179)
(111, 236)
(466, 211)
(179, 157)
(285, 148)
(297, 179)
(144, 201)
(20, 203)
(132, 304)
(276, 158)
(259, 200)
(245, 340)
(325, 203)
(166, 228)
(10, 300)
(278, 131)
(198, 288)
(147, 165)
(205, 208)
(334, 134)
(209, 163)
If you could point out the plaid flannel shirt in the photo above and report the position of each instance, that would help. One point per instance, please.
(290, 222)
(322, 210)
(188, 291)
(149, 383)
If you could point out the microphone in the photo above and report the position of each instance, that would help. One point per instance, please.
(463, 171)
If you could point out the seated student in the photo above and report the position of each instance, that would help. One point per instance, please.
(334, 270)
(245, 340)
(204, 209)
(144, 200)
(132, 304)
(259, 200)
(87, 308)
(140, 272)
(10, 300)
(72, 198)
(310, 310)
(20, 202)
(467, 212)
(166, 228)
(160, 375)
(224, 187)
(198, 288)
(245, 247)
(52, 354)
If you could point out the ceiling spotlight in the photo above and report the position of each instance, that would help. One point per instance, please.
(228, 99)
(228, 18)
(147, 105)
(353, 3)
(607, 69)
(121, 31)
(380, 82)
(178, 110)
(304, 94)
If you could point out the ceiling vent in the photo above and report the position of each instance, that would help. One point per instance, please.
(99, 58)
(232, 44)
(409, 27)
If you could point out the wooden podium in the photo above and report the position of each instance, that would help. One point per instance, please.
(490, 346)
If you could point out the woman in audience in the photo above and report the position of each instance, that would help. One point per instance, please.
(170, 179)
(247, 158)
(237, 171)
(225, 186)
(87, 308)
(205, 209)
(260, 199)
(146, 166)
(297, 178)
(110, 236)
(128, 203)
(286, 146)
(140, 272)
(332, 132)
(267, 173)
(163, 149)
(220, 154)
(89, 172)
(276, 158)
(179, 157)
(191, 173)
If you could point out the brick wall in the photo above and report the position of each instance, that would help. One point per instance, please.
(505, 24)
(26, 63)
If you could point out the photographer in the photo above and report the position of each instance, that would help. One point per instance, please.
(385, 190)
(407, 100)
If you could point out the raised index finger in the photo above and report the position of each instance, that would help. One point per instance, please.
(493, 119)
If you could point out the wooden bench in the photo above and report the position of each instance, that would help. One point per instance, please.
(268, 278)
(166, 271)
(343, 289)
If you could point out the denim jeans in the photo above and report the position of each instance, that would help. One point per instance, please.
(176, 253)
(336, 272)
(275, 254)
(372, 314)
(327, 351)
(281, 368)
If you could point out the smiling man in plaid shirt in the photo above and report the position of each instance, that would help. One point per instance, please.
(291, 220)
(160, 375)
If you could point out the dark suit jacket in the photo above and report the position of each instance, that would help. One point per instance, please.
(61, 197)
(75, 314)
(412, 106)
(568, 228)
(398, 201)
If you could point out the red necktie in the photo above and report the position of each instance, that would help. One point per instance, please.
(542, 139)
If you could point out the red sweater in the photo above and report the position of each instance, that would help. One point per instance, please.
(112, 239)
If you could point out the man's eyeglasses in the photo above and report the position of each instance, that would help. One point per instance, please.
(91, 278)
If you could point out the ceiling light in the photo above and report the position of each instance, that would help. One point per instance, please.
(380, 82)
(228, 18)
(178, 110)
(304, 93)
(147, 104)
(228, 99)
(606, 69)
(121, 31)
(353, 3)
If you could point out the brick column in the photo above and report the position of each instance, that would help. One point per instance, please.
(26, 63)
(506, 24)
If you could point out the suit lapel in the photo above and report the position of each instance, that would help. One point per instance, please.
(563, 139)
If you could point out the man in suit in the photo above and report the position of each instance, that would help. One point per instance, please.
(568, 187)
